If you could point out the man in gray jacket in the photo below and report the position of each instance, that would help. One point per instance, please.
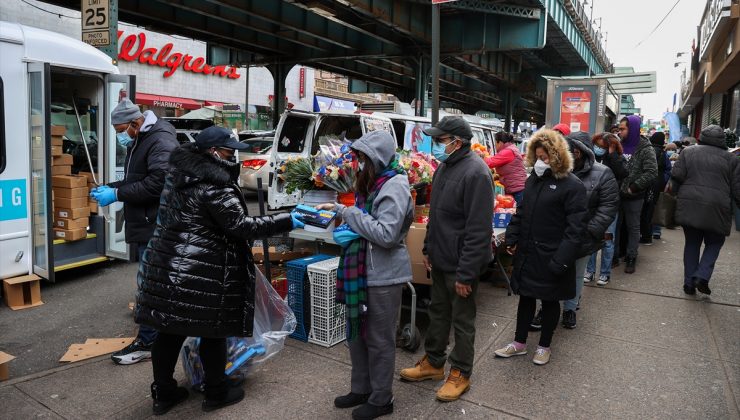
(457, 249)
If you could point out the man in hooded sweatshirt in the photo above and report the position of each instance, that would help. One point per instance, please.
(457, 249)
(642, 170)
(148, 141)
(602, 201)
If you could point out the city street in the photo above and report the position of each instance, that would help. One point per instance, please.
(642, 349)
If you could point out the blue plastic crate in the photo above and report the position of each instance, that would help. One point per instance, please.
(299, 298)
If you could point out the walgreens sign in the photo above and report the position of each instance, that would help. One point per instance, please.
(133, 48)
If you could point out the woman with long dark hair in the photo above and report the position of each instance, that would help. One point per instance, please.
(372, 272)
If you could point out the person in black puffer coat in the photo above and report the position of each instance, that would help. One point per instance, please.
(197, 274)
(545, 236)
(602, 197)
(707, 180)
(647, 230)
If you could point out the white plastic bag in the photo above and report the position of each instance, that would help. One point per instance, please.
(273, 322)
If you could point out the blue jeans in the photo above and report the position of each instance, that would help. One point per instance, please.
(698, 265)
(146, 333)
(607, 253)
(657, 230)
(572, 304)
(518, 197)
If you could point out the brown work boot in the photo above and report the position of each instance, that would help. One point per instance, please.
(454, 387)
(422, 371)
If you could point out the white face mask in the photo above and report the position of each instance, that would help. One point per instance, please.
(540, 167)
(361, 165)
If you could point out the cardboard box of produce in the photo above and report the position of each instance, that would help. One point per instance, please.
(22, 292)
(70, 203)
(70, 192)
(79, 213)
(70, 224)
(64, 159)
(415, 242)
(68, 181)
(420, 274)
(70, 234)
(56, 150)
(61, 170)
(58, 130)
(57, 141)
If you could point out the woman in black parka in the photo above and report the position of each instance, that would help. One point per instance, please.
(197, 274)
(545, 238)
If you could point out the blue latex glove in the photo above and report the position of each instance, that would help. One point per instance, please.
(104, 195)
(344, 235)
(297, 223)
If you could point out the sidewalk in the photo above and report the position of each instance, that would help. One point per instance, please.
(642, 349)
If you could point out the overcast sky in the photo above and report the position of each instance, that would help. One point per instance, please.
(630, 21)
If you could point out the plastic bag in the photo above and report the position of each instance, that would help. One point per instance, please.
(273, 321)
(665, 210)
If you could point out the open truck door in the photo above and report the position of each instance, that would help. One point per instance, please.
(117, 87)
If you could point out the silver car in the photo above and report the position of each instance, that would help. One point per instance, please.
(255, 163)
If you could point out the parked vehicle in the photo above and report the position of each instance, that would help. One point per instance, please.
(255, 162)
(250, 134)
(187, 129)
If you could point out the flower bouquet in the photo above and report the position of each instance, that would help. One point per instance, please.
(297, 173)
(418, 168)
(335, 166)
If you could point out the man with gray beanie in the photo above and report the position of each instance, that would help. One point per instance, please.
(148, 141)
(457, 250)
(706, 179)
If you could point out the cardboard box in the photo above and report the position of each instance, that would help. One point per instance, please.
(70, 224)
(420, 274)
(58, 130)
(4, 359)
(70, 234)
(275, 256)
(89, 177)
(61, 170)
(71, 203)
(22, 292)
(93, 205)
(415, 242)
(68, 181)
(71, 192)
(57, 141)
(63, 160)
(56, 150)
(79, 213)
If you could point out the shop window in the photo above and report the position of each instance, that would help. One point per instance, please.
(2, 127)
(293, 134)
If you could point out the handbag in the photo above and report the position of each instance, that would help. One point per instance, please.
(665, 210)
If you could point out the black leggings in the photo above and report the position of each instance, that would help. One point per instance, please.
(166, 350)
(525, 315)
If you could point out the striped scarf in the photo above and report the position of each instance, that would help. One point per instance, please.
(352, 271)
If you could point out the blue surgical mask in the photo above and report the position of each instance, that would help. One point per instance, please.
(439, 151)
(124, 139)
(670, 153)
(599, 151)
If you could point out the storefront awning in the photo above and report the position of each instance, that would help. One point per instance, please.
(166, 101)
(214, 103)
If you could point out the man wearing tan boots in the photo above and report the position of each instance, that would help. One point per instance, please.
(457, 249)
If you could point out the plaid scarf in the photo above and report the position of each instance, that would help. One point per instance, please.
(352, 271)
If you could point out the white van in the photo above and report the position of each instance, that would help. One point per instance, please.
(298, 135)
(43, 77)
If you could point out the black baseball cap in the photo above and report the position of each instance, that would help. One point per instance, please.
(454, 126)
(218, 137)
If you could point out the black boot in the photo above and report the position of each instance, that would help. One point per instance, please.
(166, 397)
(569, 319)
(350, 400)
(222, 396)
(368, 411)
(703, 286)
(631, 262)
(234, 380)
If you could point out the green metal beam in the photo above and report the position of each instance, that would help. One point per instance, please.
(562, 19)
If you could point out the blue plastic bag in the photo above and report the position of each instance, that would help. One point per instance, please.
(344, 235)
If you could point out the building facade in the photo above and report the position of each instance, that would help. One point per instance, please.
(710, 88)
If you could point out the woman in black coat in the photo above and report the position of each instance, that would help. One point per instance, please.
(544, 237)
(197, 274)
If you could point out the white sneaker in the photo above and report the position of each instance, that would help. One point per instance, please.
(510, 350)
(588, 278)
(541, 356)
(133, 353)
(603, 280)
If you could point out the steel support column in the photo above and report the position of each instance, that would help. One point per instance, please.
(435, 63)
(421, 85)
(279, 73)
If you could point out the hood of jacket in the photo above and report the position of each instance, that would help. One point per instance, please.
(713, 135)
(587, 156)
(561, 162)
(378, 146)
(633, 137)
(192, 166)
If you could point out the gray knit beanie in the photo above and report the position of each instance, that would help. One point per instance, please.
(125, 112)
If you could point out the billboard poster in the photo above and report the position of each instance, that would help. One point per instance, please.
(575, 110)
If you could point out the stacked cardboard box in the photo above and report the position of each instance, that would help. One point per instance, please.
(57, 131)
(90, 185)
(71, 209)
(414, 245)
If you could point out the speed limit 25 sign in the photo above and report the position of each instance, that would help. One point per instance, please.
(96, 22)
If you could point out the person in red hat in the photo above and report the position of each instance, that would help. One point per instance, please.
(563, 129)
